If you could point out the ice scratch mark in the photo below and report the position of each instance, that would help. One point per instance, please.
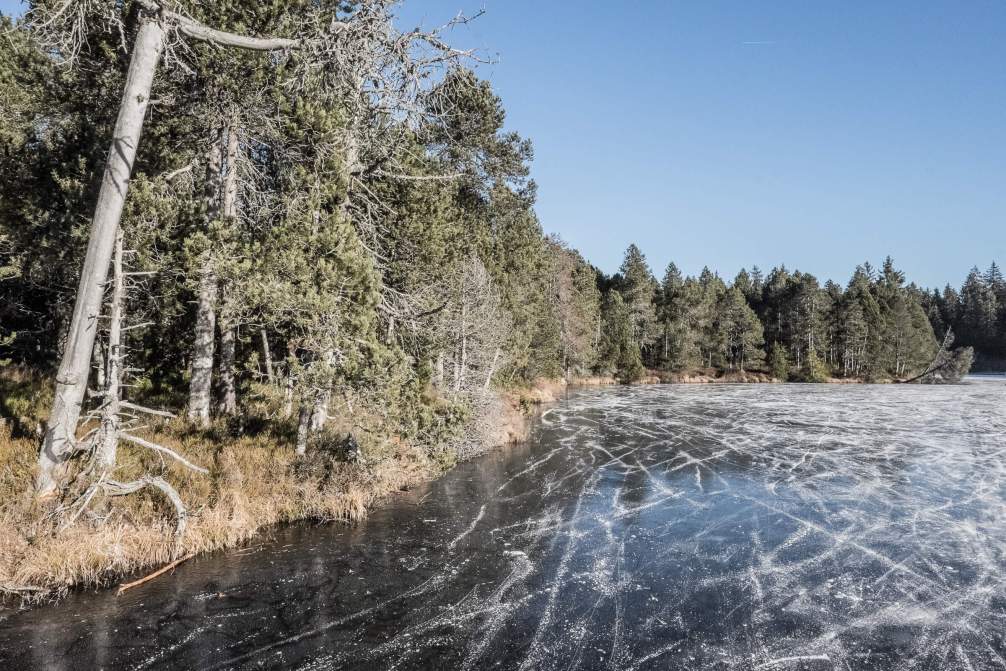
(534, 658)
(789, 660)
(499, 612)
(471, 528)
(420, 589)
(150, 661)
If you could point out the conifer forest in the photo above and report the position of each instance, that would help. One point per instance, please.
(271, 261)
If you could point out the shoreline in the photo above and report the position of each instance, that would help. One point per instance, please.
(44, 566)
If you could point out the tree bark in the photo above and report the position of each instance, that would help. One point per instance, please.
(228, 346)
(71, 380)
(319, 416)
(228, 327)
(270, 374)
(230, 183)
(201, 380)
(288, 396)
(492, 369)
(98, 357)
(109, 435)
(303, 428)
(462, 361)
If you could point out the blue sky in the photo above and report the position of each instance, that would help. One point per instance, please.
(738, 133)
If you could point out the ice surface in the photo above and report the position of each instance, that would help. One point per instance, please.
(670, 527)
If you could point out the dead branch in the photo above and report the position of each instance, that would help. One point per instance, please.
(175, 173)
(198, 31)
(113, 488)
(163, 450)
(149, 411)
(136, 583)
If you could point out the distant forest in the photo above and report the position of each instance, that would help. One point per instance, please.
(876, 327)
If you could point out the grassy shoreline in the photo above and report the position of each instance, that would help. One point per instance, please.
(255, 482)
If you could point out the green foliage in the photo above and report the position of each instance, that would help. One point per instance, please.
(814, 369)
(778, 360)
(976, 314)
(620, 351)
(739, 334)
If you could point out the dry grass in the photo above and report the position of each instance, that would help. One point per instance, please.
(255, 481)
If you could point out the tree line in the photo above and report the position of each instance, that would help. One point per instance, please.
(876, 327)
(976, 313)
(304, 201)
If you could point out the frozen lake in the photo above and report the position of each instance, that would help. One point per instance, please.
(671, 527)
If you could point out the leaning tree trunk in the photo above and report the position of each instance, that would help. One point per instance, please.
(492, 370)
(109, 435)
(71, 380)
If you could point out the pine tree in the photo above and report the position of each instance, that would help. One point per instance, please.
(739, 332)
(638, 288)
(671, 316)
(779, 361)
(619, 349)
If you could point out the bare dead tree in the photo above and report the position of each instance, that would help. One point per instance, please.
(117, 416)
(472, 330)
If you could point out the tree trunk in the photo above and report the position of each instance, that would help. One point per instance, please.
(303, 428)
(230, 186)
(228, 327)
(288, 396)
(319, 416)
(291, 351)
(201, 381)
(71, 380)
(100, 371)
(462, 359)
(492, 369)
(270, 375)
(109, 435)
(228, 344)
